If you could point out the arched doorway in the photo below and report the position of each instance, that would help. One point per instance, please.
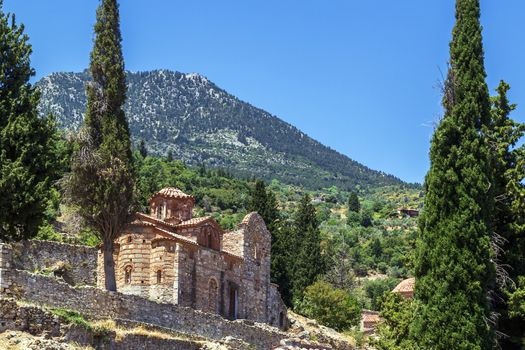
(212, 295)
(233, 310)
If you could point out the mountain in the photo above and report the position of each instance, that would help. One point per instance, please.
(203, 124)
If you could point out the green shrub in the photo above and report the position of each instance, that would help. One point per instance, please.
(72, 317)
(330, 306)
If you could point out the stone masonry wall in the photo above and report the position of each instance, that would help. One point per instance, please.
(79, 262)
(97, 303)
(40, 322)
(5, 267)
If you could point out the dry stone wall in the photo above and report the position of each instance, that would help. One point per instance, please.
(38, 322)
(97, 303)
(77, 264)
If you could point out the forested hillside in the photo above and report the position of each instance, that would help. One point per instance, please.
(199, 123)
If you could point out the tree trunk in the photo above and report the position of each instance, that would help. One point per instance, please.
(109, 267)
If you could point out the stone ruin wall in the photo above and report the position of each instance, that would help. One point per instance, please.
(80, 262)
(256, 279)
(43, 323)
(97, 303)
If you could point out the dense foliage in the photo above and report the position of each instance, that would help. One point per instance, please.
(101, 182)
(508, 168)
(29, 157)
(398, 314)
(330, 306)
(454, 267)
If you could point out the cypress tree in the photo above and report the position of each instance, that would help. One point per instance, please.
(143, 149)
(307, 260)
(169, 157)
(101, 183)
(258, 200)
(454, 270)
(27, 142)
(353, 203)
(503, 135)
(283, 260)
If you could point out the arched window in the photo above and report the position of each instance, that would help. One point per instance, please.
(212, 295)
(281, 319)
(159, 276)
(127, 275)
(208, 239)
(257, 252)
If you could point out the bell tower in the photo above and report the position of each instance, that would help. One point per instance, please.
(171, 205)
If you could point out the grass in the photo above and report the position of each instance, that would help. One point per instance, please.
(72, 317)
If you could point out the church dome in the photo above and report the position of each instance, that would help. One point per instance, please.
(172, 192)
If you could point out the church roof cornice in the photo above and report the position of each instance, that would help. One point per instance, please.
(172, 193)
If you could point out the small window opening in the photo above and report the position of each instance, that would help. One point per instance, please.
(127, 275)
(159, 277)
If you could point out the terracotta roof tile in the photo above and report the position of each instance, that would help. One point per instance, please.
(150, 218)
(139, 222)
(193, 222)
(405, 286)
(370, 317)
(176, 236)
(172, 192)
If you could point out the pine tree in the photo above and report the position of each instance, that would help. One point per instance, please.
(353, 203)
(308, 262)
(454, 270)
(503, 135)
(101, 183)
(28, 155)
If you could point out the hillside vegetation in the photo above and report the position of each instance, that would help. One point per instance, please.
(199, 123)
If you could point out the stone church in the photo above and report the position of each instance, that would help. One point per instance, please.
(171, 257)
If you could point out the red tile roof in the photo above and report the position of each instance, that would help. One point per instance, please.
(193, 222)
(405, 286)
(371, 316)
(152, 219)
(172, 192)
(175, 236)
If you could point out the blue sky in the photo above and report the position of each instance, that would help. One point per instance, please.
(359, 76)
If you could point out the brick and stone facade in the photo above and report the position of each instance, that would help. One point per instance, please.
(170, 257)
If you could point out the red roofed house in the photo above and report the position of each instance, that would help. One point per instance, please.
(369, 321)
(406, 288)
(170, 257)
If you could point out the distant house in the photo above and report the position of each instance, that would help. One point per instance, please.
(406, 288)
(369, 321)
(409, 212)
(404, 212)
